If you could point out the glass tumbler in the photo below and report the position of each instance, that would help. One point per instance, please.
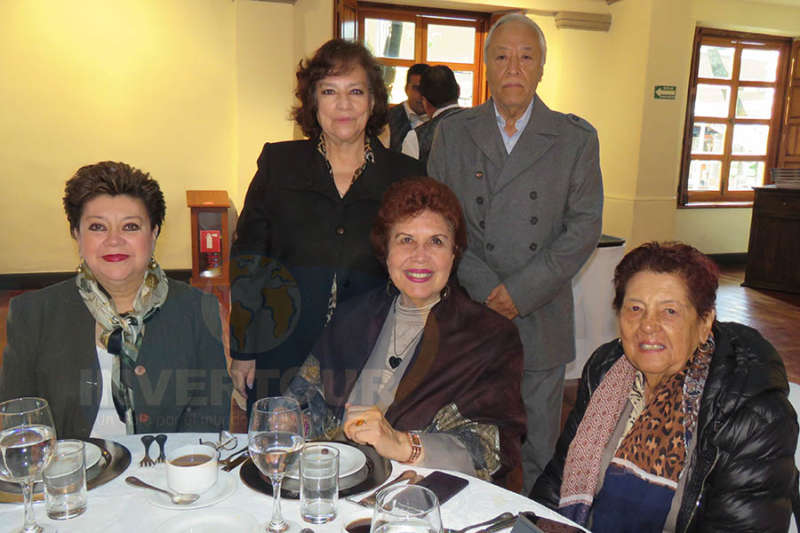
(319, 483)
(65, 481)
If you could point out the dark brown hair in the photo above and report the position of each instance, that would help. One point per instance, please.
(699, 273)
(112, 178)
(439, 86)
(409, 197)
(333, 58)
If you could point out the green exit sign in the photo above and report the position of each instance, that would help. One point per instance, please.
(664, 92)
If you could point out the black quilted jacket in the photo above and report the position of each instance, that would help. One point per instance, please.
(744, 477)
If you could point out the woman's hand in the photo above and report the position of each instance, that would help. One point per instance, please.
(367, 425)
(243, 374)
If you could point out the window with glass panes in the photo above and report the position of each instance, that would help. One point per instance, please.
(735, 101)
(401, 37)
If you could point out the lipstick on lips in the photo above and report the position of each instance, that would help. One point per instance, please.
(115, 258)
(418, 275)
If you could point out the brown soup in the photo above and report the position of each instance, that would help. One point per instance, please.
(361, 525)
(193, 459)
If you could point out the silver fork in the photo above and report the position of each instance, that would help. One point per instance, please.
(147, 440)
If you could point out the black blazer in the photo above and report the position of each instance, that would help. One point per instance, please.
(294, 233)
(51, 353)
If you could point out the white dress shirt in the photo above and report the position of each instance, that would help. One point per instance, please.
(411, 142)
(511, 140)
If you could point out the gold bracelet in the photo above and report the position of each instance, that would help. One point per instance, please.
(416, 447)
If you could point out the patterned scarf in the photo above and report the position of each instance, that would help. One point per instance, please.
(122, 334)
(654, 446)
(584, 457)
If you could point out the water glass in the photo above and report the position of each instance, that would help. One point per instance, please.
(406, 509)
(274, 439)
(65, 481)
(319, 483)
(27, 441)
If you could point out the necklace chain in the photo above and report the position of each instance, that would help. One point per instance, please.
(397, 355)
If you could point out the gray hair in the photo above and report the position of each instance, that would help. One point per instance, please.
(516, 17)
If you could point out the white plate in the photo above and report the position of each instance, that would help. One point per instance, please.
(226, 485)
(211, 521)
(351, 460)
(93, 454)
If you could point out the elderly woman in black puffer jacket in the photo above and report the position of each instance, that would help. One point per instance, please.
(684, 423)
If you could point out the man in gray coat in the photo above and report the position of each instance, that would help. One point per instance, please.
(529, 181)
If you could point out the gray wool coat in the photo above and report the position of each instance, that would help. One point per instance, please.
(533, 216)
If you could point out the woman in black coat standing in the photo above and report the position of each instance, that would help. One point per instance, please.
(302, 241)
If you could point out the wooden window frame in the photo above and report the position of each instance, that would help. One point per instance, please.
(422, 17)
(739, 41)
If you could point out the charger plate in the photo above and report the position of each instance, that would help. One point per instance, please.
(115, 459)
(375, 471)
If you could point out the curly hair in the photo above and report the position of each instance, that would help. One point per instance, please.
(409, 197)
(112, 178)
(699, 273)
(334, 58)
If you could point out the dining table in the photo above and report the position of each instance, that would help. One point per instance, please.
(117, 506)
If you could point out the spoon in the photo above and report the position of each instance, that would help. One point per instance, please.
(177, 499)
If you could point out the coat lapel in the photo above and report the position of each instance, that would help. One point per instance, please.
(539, 136)
(483, 129)
(312, 172)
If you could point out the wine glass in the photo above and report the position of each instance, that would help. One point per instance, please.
(406, 509)
(275, 438)
(27, 443)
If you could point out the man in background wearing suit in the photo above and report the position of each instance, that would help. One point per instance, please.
(406, 116)
(530, 184)
(440, 91)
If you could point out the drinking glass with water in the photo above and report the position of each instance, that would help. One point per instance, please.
(275, 437)
(65, 481)
(27, 441)
(406, 509)
(319, 483)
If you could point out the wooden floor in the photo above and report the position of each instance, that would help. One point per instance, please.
(775, 314)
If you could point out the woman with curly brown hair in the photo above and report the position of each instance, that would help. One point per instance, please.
(416, 369)
(302, 240)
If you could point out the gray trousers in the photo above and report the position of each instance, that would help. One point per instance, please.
(543, 395)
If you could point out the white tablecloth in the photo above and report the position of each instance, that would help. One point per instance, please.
(117, 506)
(593, 292)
